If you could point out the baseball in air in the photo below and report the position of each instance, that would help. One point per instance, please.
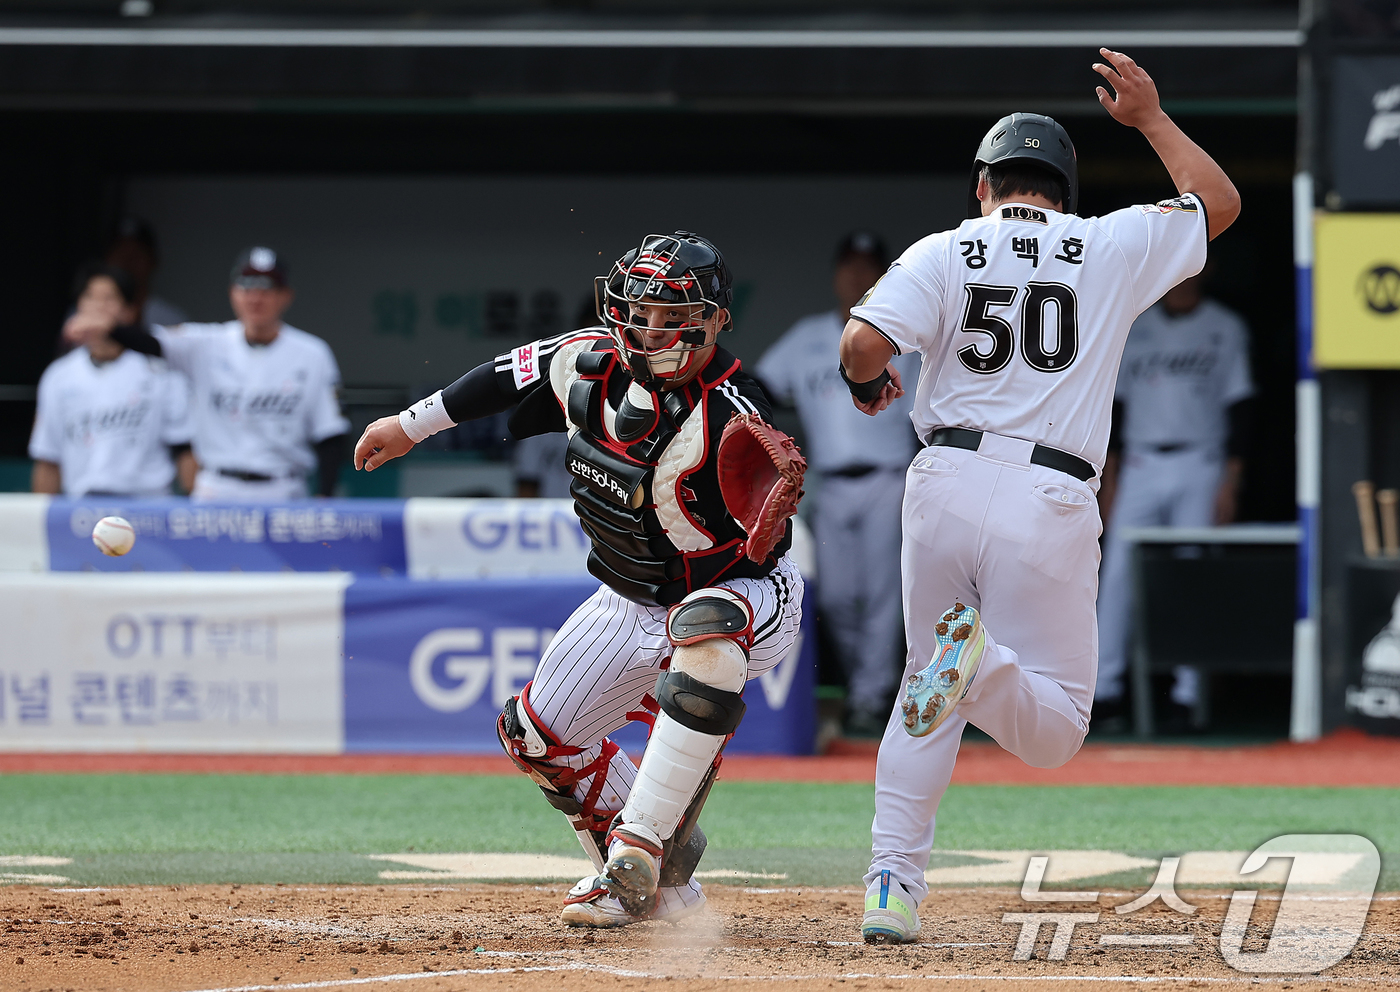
(113, 536)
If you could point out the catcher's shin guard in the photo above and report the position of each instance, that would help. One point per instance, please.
(655, 839)
(529, 748)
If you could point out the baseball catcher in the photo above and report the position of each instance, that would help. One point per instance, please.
(686, 493)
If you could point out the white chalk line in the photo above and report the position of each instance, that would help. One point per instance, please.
(632, 973)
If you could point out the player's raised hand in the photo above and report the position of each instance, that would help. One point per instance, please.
(1134, 99)
(382, 440)
(889, 392)
(82, 327)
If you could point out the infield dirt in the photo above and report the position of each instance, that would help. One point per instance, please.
(173, 939)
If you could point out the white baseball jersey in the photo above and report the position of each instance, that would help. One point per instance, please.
(1179, 374)
(803, 369)
(257, 408)
(109, 427)
(1022, 316)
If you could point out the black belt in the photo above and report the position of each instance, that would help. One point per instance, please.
(853, 471)
(240, 475)
(1060, 461)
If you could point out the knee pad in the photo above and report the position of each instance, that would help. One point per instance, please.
(712, 631)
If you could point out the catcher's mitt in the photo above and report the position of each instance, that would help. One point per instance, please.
(760, 477)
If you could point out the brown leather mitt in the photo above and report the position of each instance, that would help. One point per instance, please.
(760, 477)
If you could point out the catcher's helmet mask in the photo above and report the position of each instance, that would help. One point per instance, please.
(683, 270)
(1032, 139)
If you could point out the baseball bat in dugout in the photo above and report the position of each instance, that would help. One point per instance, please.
(1365, 493)
(1390, 527)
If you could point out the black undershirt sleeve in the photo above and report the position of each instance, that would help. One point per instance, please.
(1240, 416)
(1115, 430)
(137, 339)
(478, 394)
(330, 453)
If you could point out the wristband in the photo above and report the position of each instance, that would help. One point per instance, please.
(425, 418)
(866, 391)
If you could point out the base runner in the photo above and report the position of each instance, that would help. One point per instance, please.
(1021, 314)
(686, 494)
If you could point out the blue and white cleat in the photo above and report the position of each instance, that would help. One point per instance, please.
(931, 695)
(891, 914)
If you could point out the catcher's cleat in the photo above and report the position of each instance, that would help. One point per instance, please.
(634, 863)
(590, 904)
(891, 914)
(931, 695)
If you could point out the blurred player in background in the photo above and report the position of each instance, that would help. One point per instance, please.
(1182, 410)
(265, 408)
(861, 461)
(134, 250)
(110, 421)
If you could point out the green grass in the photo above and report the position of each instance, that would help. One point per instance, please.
(129, 828)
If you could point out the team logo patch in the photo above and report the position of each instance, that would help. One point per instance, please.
(1024, 213)
(1167, 206)
(525, 364)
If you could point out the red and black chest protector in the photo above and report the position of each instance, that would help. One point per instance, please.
(613, 459)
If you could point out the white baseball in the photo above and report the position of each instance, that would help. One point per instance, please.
(113, 536)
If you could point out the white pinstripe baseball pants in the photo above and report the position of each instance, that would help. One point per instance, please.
(608, 654)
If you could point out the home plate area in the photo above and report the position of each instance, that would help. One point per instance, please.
(469, 935)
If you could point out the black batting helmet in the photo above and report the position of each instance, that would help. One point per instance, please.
(1034, 139)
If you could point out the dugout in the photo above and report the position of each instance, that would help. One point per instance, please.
(365, 138)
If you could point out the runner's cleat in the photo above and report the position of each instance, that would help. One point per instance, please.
(891, 915)
(931, 695)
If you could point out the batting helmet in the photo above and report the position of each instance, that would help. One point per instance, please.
(1034, 139)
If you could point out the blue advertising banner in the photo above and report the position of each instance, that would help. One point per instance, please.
(428, 666)
(364, 536)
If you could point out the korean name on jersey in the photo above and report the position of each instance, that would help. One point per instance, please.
(1022, 315)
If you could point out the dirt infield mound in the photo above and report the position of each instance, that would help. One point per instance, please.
(507, 937)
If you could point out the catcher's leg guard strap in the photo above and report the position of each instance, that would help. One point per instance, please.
(528, 749)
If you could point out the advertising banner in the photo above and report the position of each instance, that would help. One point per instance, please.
(171, 663)
(473, 538)
(1356, 291)
(175, 535)
(1365, 130)
(428, 666)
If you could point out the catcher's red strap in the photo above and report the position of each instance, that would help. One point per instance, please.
(760, 477)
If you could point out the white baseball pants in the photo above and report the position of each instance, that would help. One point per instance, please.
(1172, 489)
(856, 526)
(608, 655)
(1019, 542)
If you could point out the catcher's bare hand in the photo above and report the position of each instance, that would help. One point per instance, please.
(889, 392)
(382, 440)
(1136, 103)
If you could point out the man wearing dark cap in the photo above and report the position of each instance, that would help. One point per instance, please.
(861, 463)
(264, 393)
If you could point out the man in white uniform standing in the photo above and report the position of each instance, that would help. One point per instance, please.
(265, 408)
(1183, 396)
(109, 421)
(861, 462)
(1021, 314)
